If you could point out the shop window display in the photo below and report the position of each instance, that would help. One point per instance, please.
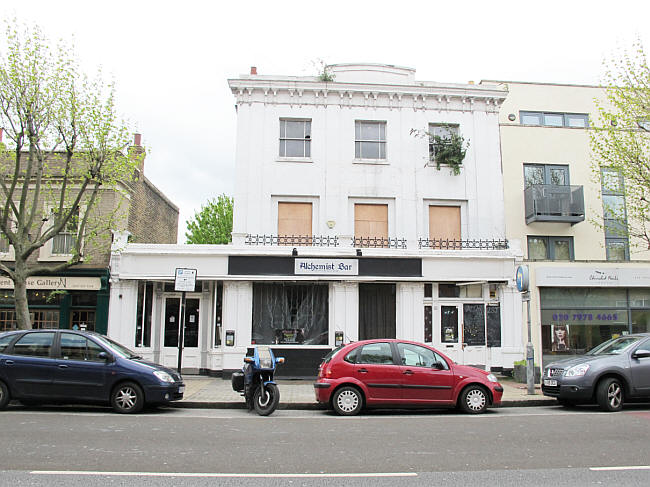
(295, 314)
(575, 320)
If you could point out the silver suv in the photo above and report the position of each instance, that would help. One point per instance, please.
(616, 371)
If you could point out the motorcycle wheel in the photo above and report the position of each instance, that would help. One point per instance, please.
(266, 404)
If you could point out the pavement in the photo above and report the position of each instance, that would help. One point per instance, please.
(217, 393)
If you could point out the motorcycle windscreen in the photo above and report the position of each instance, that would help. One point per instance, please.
(266, 357)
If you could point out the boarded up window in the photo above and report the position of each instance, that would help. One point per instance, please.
(444, 222)
(294, 219)
(371, 221)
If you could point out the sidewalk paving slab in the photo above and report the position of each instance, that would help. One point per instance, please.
(202, 392)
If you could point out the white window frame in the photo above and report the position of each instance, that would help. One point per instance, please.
(47, 251)
(10, 254)
(449, 128)
(307, 139)
(384, 141)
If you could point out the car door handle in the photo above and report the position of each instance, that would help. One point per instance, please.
(63, 366)
(363, 371)
(9, 362)
(408, 372)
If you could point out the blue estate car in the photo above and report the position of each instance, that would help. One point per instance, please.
(76, 366)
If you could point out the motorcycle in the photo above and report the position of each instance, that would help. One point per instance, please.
(255, 381)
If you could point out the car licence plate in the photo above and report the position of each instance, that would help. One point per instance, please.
(550, 382)
(181, 389)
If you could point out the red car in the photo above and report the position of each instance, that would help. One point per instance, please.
(399, 373)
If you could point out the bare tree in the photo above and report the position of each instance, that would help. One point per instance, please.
(620, 144)
(64, 148)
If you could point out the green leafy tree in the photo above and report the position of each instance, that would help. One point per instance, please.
(620, 142)
(62, 146)
(212, 224)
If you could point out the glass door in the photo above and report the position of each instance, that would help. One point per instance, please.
(448, 338)
(171, 331)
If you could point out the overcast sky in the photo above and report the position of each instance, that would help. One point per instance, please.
(171, 60)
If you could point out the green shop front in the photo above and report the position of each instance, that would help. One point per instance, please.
(75, 299)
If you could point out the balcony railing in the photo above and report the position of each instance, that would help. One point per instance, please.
(379, 242)
(295, 240)
(451, 244)
(553, 203)
(375, 242)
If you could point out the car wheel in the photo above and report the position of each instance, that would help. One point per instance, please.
(127, 398)
(473, 400)
(347, 401)
(4, 395)
(609, 394)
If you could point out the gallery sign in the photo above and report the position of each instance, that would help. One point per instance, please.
(327, 267)
(54, 282)
(592, 277)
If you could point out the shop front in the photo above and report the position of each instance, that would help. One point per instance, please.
(76, 299)
(581, 308)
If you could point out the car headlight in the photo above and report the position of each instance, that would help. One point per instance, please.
(577, 370)
(163, 376)
(492, 378)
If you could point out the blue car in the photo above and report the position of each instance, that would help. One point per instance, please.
(55, 366)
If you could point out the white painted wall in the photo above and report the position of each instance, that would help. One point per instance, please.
(333, 178)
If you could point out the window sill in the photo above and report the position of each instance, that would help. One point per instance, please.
(295, 159)
(374, 162)
(55, 258)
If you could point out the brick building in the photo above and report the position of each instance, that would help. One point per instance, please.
(146, 215)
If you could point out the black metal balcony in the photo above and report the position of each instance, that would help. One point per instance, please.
(293, 240)
(553, 203)
(452, 244)
(379, 242)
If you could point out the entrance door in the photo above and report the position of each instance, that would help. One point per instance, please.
(172, 316)
(474, 342)
(376, 311)
(448, 338)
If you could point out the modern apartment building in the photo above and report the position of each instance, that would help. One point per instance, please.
(589, 282)
(344, 229)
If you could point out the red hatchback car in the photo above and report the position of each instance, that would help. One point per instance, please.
(398, 373)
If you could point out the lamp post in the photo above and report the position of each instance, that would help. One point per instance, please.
(523, 286)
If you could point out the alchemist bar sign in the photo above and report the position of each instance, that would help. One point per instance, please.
(327, 267)
(55, 282)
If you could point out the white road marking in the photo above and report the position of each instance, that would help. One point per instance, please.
(223, 475)
(615, 469)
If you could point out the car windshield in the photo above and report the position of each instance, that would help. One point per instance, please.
(613, 346)
(117, 347)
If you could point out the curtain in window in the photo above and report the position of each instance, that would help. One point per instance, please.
(290, 314)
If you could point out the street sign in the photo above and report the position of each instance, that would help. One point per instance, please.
(522, 278)
(185, 280)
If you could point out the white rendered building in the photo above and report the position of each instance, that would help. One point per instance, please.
(344, 229)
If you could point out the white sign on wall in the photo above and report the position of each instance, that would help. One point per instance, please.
(592, 277)
(185, 280)
(327, 267)
(54, 282)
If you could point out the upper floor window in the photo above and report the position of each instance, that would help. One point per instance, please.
(4, 244)
(444, 131)
(65, 241)
(536, 174)
(369, 140)
(549, 119)
(295, 138)
(614, 215)
(550, 248)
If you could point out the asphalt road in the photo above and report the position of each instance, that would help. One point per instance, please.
(510, 446)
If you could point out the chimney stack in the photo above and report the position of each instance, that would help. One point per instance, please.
(137, 139)
(253, 70)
